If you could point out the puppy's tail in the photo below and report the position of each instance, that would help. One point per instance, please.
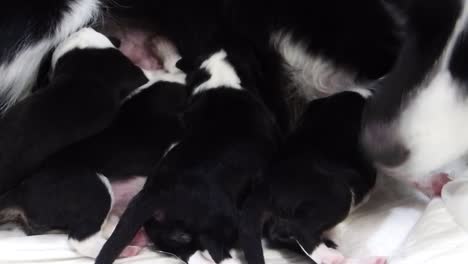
(139, 210)
(251, 226)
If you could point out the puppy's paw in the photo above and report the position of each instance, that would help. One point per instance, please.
(82, 39)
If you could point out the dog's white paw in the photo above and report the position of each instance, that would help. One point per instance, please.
(82, 39)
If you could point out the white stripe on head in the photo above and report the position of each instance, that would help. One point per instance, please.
(222, 73)
(82, 39)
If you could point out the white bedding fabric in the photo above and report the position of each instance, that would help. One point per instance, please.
(396, 222)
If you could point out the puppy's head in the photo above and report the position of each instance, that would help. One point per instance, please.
(91, 55)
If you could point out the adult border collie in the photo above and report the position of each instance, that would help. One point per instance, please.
(298, 49)
(416, 124)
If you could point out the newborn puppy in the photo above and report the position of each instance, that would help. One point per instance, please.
(191, 201)
(313, 184)
(80, 188)
(90, 79)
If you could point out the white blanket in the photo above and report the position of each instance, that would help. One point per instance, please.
(396, 222)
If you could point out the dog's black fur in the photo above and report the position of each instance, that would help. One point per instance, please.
(360, 36)
(194, 195)
(311, 186)
(356, 35)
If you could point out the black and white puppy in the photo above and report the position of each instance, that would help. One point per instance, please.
(191, 201)
(319, 176)
(84, 188)
(415, 126)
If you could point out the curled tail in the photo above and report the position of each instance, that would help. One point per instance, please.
(139, 210)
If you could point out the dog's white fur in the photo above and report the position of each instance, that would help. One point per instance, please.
(434, 125)
(312, 76)
(222, 73)
(19, 75)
